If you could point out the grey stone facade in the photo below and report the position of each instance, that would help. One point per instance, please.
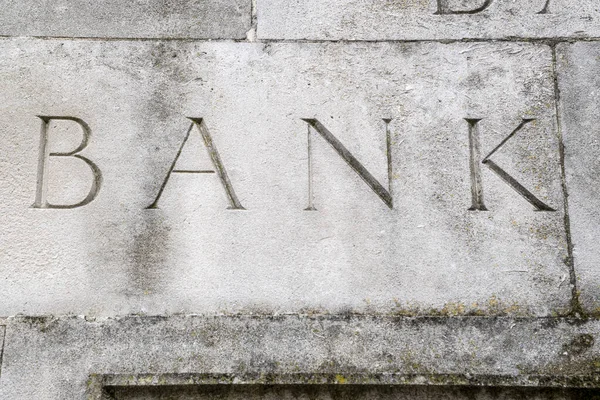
(269, 199)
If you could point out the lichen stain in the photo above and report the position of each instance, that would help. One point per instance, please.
(578, 346)
(492, 307)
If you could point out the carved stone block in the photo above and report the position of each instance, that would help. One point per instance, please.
(387, 178)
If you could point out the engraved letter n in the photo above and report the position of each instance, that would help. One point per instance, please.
(384, 194)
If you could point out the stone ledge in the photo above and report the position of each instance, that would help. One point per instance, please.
(70, 357)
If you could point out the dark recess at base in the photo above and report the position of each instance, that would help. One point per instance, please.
(346, 392)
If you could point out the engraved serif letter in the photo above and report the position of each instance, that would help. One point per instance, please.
(234, 203)
(44, 157)
(546, 9)
(475, 166)
(383, 193)
(445, 8)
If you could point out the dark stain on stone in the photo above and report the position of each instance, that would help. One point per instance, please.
(473, 81)
(148, 254)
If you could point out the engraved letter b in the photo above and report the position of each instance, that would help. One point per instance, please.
(42, 179)
(444, 8)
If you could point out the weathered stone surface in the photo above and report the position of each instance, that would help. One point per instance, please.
(578, 66)
(69, 358)
(213, 19)
(429, 254)
(417, 19)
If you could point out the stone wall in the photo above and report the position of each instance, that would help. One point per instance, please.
(324, 199)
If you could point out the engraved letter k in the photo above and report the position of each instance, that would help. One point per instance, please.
(476, 183)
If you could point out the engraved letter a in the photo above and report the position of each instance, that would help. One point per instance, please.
(476, 182)
(234, 203)
(42, 180)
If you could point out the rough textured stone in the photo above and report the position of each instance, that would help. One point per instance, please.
(429, 254)
(213, 19)
(69, 358)
(417, 19)
(578, 67)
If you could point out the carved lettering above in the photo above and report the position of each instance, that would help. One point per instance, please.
(44, 157)
(546, 9)
(476, 182)
(445, 8)
(383, 193)
(234, 203)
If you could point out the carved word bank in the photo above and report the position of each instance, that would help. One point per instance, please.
(477, 159)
